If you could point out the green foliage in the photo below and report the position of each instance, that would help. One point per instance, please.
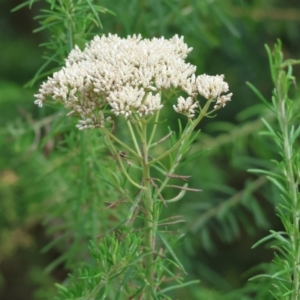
(285, 176)
(235, 207)
(117, 262)
(68, 23)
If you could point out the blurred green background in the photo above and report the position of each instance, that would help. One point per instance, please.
(235, 209)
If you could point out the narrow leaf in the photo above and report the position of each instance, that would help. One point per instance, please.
(171, 251)
(178, 286)
(270, 236)
(260, 96)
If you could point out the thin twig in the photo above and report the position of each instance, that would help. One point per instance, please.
(182, 177)
(184, 188)
(162, 139)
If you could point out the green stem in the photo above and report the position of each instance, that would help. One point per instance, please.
(292, 185)
(114, 150)
(68, 10)
(186, 133)
(167, 178)
(133, 138)
(137, 125)
(150, 218)
(153, 129)
(111, 136)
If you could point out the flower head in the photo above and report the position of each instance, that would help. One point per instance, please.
(127, 76)
(221, 101)
(186, 106)
(211, 87)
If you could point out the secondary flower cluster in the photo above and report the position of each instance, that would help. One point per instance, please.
(127, 76)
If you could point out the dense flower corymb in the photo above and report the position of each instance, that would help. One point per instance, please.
(127, 76)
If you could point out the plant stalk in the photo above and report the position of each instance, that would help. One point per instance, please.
(288, 153)
(150, 217)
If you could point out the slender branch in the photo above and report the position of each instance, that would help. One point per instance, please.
(133, 138)
(110, 135)
(186, 133)
(150, 218)
(180, 142)
(176, 198)
(167, 178)
(234, 200)
(153, 129)
(161, 140)
(292, 185)
(185, 188)
(136, 122)
(122, 165)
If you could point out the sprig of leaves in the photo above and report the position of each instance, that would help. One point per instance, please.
(285, 176)
(68, 23)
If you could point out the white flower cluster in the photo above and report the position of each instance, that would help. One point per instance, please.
(211, 87)
(186, 106)
(127, 76)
